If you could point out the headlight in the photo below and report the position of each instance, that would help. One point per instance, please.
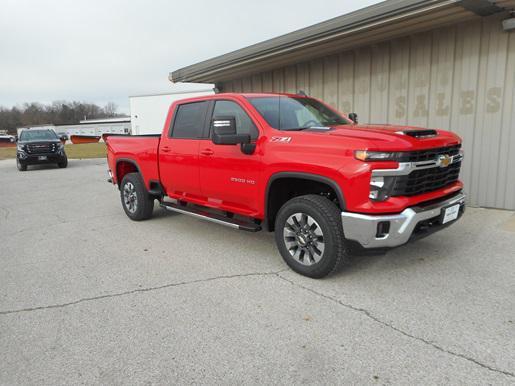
(20, 147)
(60, 146)
(365, 155)
(380, 188)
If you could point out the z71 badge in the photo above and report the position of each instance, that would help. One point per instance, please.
(281, 139)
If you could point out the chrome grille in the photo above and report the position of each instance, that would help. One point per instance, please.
(41, 148)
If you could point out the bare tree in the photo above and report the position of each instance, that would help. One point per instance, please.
(58, 113)
(110, 109)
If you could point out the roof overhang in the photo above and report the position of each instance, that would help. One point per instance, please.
(384, 21)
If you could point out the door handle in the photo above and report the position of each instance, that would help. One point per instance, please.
(207, 152)
(165, 149)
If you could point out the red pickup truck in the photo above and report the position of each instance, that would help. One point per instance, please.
(328, 186)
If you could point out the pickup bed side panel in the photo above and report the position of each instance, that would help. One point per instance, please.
(139, 150)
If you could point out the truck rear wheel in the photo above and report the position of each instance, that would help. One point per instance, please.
(309, 235)
(136, 202)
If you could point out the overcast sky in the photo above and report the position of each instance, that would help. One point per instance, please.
(105, 50)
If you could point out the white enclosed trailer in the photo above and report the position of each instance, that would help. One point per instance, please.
(148, 112)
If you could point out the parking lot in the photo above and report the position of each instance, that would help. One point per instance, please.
(87, 296)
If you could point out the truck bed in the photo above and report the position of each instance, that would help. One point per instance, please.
(140, 150)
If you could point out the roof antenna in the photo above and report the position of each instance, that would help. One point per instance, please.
(302, 93)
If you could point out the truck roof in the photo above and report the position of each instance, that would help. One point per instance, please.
(247, 95)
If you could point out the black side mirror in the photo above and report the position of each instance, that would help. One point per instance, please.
(224, 132)
(63, 138)
(353, 117)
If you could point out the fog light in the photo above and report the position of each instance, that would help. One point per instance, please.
(383, 228)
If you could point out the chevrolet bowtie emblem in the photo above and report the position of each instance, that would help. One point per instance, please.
(444, 160)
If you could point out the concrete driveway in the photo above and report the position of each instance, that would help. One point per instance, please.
(88, 296)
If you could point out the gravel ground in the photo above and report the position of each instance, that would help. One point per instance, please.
(87, 296)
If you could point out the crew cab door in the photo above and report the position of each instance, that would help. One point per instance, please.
(229, 179)
(179, 148)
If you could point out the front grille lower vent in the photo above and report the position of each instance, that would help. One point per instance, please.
(426, 180)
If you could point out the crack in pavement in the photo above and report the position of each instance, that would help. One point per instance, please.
(6, 211)
(392, 327)
(363, 311)
(137, 290)
(62, 221)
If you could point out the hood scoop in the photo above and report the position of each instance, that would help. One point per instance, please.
(419, 133)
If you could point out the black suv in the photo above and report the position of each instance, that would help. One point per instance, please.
(39, 146)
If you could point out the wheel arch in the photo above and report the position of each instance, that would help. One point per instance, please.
(273, 204)
(125, 166)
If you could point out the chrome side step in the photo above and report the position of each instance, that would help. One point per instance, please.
(213, 217)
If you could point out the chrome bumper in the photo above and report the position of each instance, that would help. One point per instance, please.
(363, 228)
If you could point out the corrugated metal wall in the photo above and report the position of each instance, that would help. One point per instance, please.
(461, 78)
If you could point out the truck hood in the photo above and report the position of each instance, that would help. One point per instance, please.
(390, 137)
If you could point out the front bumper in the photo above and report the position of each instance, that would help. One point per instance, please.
(368, 230)
(33, 159)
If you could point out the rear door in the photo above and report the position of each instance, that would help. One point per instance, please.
(229, 178)
(179, 150)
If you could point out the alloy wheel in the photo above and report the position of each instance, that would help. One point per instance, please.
(130, 197)
(304, 238)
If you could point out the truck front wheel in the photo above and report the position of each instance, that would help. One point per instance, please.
(63, 163)
(309, 235)
(21, 166)
(136, 202)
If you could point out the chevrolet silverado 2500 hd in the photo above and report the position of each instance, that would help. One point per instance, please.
(324, 184)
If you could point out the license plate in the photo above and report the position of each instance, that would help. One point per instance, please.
(451, 213)
(42, 158)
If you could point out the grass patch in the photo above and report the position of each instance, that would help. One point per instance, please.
(86, 150)
(82, 151)
(7, 152)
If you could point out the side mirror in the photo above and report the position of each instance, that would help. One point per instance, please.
(63, 138)
(353, 117)
(224, 132)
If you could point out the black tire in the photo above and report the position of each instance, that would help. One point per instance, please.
(63, 163)
(323, 243)
(136, 202)
(21, 166)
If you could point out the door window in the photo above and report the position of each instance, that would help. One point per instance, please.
(244, 124)
(189, 120)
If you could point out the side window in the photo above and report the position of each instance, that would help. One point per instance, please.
(244, 124)
(189, 120)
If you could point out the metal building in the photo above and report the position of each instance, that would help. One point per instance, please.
(446, 64)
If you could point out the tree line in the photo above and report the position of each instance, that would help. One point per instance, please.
(57, 113)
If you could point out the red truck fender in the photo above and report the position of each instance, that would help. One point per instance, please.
(272, 206)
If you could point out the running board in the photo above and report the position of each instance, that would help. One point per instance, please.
(216, 218)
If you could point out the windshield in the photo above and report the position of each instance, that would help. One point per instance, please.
(37, 135)
(290, 113)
